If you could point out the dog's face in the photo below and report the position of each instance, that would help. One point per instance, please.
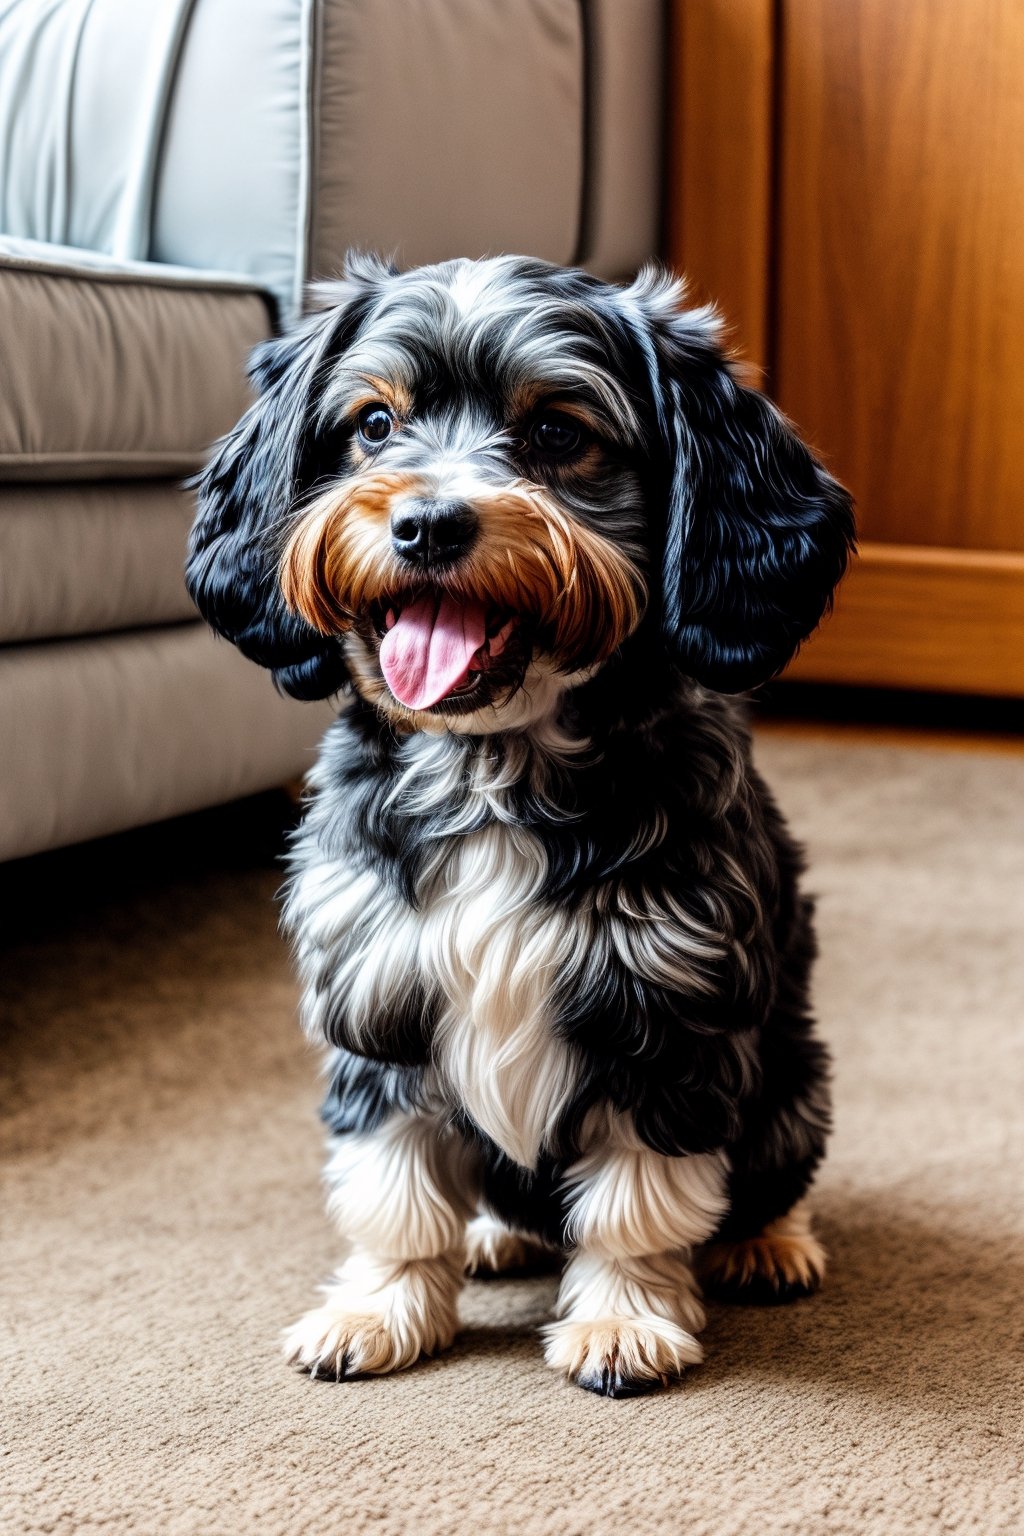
(467, 486)
(477, 529)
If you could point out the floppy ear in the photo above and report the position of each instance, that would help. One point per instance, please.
(757, 534)
(254, 479)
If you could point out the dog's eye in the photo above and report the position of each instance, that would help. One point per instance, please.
(375, 424)
(555, 435)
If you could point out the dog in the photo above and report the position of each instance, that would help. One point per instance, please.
(546, 913)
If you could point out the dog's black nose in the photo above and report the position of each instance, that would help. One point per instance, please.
(432, 532)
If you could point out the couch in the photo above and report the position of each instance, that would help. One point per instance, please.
(171, 175)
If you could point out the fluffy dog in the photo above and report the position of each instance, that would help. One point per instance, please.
(546, 913)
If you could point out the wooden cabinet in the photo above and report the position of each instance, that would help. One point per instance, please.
(847, 177)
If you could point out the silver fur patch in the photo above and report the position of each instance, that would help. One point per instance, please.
(479, 942)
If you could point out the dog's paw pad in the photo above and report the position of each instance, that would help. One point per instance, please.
(621, 1357)
(335, 1345)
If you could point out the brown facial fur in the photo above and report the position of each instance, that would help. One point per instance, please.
(337, 561)
(531, 559)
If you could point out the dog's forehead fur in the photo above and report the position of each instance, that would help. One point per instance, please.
(509, 330)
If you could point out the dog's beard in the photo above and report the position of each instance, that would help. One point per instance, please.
(537, 589)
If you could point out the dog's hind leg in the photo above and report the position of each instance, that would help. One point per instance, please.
(765, 1251)
(492, 1248)
(782, 1262)
(402, 1193)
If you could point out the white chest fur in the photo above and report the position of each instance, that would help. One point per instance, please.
(496, 954)
(481, 946)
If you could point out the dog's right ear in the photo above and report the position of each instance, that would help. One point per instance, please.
(756, 533)
(253, 482)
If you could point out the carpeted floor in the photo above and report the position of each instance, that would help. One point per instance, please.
(162, 1220)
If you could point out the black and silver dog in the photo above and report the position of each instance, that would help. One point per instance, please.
(546, 913)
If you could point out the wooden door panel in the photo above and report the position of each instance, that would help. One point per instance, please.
(720, 171)
(847, 176)
(900, 261)
(908, 616)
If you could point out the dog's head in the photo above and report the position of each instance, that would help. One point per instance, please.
(465, 487)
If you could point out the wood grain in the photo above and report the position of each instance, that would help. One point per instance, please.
(909, 617)
(720, 160)
(855, 733)
(901, 262)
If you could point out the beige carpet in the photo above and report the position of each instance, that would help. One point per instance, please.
(162, 1220)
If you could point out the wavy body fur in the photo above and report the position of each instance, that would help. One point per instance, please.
(527, 929)
(549, 926)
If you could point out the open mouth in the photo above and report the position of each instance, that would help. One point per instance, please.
(440, 649)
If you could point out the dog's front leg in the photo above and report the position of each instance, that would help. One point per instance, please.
(629, 1306)
(401, 1193)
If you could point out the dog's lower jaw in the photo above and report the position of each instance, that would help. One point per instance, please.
(536, 699)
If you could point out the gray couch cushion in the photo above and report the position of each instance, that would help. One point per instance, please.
(100, 555)
(622, 207)
(449, 128)
(117, 369)
(80, 106)
(267, 136)
(112, 732)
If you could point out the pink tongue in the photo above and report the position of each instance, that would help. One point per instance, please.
(427, 651)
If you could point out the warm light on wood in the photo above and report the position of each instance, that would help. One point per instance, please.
(907, 617)
(901, 260)
(848, 179)
(720, 167)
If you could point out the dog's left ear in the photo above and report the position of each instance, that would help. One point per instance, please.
(757, 534)
(255, 479)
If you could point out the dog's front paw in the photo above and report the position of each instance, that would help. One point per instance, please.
(380, 1318)
(333, 1342)
(620, 1356)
